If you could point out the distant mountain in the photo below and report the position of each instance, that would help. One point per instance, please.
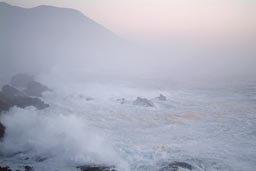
(40, 37)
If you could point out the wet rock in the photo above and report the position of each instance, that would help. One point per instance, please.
(2, 131)
(36, 89)
(162, 97)
(143, 102)
(10, 96)
(121, 100)
(28, 101)
(40, 159)
(89, 99)
(6, 168)
(28, 84)
(96, 168)
(177, 166)
(21, 80)
(4, 105)
(11, 92)
(28, 168)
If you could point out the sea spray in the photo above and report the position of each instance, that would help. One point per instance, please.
(65, 137)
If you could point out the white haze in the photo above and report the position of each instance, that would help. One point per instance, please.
(210, 124)
(50, 38)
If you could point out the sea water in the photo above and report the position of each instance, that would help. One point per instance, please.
(213, 129)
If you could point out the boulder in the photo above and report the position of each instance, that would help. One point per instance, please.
(10, 92)
(28, 84)
(162, 97)
(36, 89)
(23, 102)
(89, 99)
(2, 130)
(177, 166)
(10, 96)
(4, 105)
(96, 168)
(121, 100)
(21, 80)
(143, 102)
(28, 168)
(6, 168)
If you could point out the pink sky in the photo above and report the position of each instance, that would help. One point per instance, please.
(156, 18)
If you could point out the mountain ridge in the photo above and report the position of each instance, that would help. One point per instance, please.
(39, 38)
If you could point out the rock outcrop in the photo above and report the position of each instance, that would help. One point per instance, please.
(21, 80)
(96, 168)
(29, 85)
(162, 97)
(36, 89)
(2, 130)
(121, 100)
(143, 102)
(6, 168)
(177, 166)
(10, 96)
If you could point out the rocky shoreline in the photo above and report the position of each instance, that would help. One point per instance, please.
(22, 91)
(173, 166)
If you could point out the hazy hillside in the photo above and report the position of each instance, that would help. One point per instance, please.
(41, 37)
(45, 38)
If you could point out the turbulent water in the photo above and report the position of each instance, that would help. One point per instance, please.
(210, 128)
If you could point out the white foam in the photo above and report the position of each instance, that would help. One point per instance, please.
(66, 137)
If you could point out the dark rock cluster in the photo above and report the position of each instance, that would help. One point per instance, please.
(176, 166)
(28, 84)
(12, 95)
(121, 100)
(143, 102)
(6, 168)
(161, 97)
(2, 130)
(173, 166)
(96, 168)
(21, 80)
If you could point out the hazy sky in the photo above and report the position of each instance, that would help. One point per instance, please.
(155, 18)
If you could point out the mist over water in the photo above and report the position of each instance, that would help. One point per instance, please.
(207, 119)
(211, 128)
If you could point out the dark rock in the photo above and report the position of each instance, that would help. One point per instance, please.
(40, 159)
(175, 166)
(11, 92)
(10, 96)
(96, 168)
(21, 80)
(28, 168)
(34, 88)
(2, 130)
(89, 99)
(143, 102)
(121, 100)
(161, 97)
(29, 85)
(28, 101)
(4, 105)
(6, 168)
